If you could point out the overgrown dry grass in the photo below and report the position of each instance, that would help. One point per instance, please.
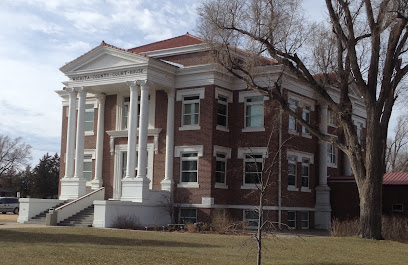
(108, 246)
(8, 218)
(393, 228)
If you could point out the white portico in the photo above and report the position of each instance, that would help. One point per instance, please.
(105, 71)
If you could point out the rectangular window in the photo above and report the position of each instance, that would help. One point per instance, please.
(397, 208)
(222, 111)
(87, 167)
(220, 168)
(331, 119)
(292, 170)
(89, 117)
(251, 219)
(254, 112)
(187, 216)
(191, 110)
(253, 165)
(331, 155)
(292, 220)
(125, 114)
(359, 131)
(189, 167)
(292, 121)
(304, 220)
(305, 172)
(306, 118)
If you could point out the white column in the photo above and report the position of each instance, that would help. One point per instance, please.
(144, 118)
(322, 207)
(80, 139)
(323, 147)
(70, 149)
(132, 130)
(167, 183)
(129, 189)
(97, 181)
(75, 187)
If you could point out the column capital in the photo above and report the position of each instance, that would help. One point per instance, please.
(131, 84)
(144, 84)
(81, 90)
(324, 105)
(101, 98)
(170, 92)
(70, 90)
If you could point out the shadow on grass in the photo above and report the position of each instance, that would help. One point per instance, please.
(30, 237)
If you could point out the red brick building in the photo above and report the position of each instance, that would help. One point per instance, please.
(206, 139)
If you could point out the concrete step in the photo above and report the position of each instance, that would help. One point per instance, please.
(82, 219)
(40, 218)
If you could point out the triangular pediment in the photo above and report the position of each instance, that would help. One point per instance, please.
(107, 61)
(102, 58)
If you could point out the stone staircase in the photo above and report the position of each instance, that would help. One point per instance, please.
(82, 219)
(40, 218)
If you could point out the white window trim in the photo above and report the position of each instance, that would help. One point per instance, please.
(292, 228)
(305, 110)
(242, 98)
(302, 101)
(91, 152)
(244, 219)
(179, 150)
(93, 102)
(302, 188)
(330, 164)
(227, 152)
(190, 92)
(330, 117)
(179, 214)
(293, 187)
(117, 168)
(308, 220)
(300, 155)
(229, 96)
(242, 151)
(293, 131)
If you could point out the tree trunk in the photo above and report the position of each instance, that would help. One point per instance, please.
(370, 208)
(370, 185)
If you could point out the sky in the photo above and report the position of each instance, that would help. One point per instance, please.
(37, 37)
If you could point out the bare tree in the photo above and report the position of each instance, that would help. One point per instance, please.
(364, 52)
(397, 148)
(14, 153)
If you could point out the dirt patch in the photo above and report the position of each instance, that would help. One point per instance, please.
(8, 218)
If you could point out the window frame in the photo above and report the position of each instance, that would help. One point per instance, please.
(303, 221)
(248, 221)
(88, 159)
(292, 159)
(306, 117)
(289, 221)
(243, 152)
(179, 151)
(185, 158)
(187, 93)
(331, 155)
(181, 219)
(305, 164)
(250, 104)
(195, 99)
(253, 159)
(227, 152)
(331, 119)
(293, 104)
(397, 210)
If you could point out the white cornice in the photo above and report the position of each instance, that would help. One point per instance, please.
(178, 50)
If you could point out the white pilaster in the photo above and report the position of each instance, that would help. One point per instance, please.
(323, 208)
(96, 183)
(167, 183)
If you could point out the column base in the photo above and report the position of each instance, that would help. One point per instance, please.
(167, 184)
(72, 188)
(96, 184)
(135, 189)
(323, 208)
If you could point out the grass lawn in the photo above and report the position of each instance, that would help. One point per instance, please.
(105, 246)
